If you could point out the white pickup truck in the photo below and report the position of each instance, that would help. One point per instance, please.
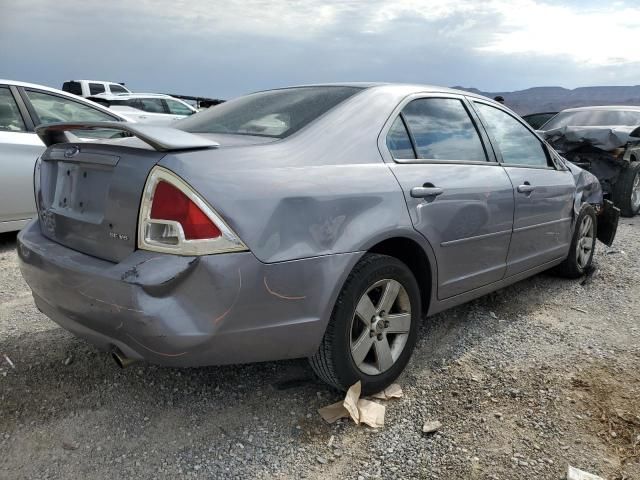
(88, 88)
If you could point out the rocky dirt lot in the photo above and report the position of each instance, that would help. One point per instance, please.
(525, 381)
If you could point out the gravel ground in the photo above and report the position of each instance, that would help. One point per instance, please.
(524, 381)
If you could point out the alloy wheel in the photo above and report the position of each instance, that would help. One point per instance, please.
(635, 193)
(585, 242)
(380, 326)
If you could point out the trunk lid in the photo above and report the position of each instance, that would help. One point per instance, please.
(89, 196)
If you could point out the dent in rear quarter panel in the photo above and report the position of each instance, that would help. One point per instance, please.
(292, 212)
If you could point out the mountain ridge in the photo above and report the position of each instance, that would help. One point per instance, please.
(554, 99)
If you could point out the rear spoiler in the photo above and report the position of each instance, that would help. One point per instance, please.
(162, 139)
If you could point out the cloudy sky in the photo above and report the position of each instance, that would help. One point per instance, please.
(226, 48)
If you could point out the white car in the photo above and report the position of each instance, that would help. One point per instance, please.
(22, 107)
(150, 108)
(87, 88)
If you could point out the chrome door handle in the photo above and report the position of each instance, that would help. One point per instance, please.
(426, 192)
(526, 188)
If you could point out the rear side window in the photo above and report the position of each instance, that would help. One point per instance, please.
(151, 105)
(275, 113)
(115, 88)
(72, 87)
(594, 118)
(517, 144)
(96, 88)
(398, 140)
(53, 108)
(442, 130)
(10, 118)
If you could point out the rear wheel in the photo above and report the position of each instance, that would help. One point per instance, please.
(626, 191)
(373, 327)
(583, 244)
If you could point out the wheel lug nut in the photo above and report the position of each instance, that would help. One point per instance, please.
(379, 336)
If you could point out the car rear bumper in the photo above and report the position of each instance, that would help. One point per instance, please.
(185, 311)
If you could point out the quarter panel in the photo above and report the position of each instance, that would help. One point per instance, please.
(295, 212)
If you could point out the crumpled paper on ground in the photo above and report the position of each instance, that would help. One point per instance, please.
(577, 474)
(359, 409)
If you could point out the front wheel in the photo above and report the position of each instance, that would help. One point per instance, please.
(583, 245)
(373, 326)
(626, 191)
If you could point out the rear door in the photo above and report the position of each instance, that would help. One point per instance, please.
(543, 191)
(458, 196)
(19, 148)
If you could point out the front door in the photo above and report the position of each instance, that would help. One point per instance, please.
(543, 192)
(458, 196)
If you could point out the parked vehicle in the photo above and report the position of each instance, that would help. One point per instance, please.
(319, 221)
(606, 142)
(536, 120)
(89, 88)
(151, 108)
(22, 107)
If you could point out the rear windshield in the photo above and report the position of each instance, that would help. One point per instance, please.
(275, 113)
(594, 118)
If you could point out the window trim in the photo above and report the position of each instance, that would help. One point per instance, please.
(484, 139)
(34, 115)
(551, 164)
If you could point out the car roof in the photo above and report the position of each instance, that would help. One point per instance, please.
(632, 108)
(120, 96)
(62, 93)
(98, 81)
(407, 88)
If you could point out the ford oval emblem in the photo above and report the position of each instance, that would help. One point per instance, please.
(71, 152)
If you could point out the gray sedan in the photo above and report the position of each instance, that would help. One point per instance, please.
(318, 221)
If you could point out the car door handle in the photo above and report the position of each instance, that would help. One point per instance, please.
(526, 188)
(426, 192)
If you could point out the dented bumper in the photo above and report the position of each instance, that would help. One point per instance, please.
(185, 311)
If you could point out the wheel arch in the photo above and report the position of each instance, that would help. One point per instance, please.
(416, 258)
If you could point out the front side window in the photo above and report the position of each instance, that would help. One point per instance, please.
(10, 118)
(274, 113)
(516, 143)
(96, 88)
(442, 130)
(178, 108)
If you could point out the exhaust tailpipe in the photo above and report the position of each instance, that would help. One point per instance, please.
(121, 359)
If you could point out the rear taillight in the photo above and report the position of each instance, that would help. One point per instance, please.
(175, 219)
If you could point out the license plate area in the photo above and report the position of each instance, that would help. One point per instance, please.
(81, 190)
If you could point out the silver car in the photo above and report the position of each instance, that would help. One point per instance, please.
(317, 221)
(22, 107)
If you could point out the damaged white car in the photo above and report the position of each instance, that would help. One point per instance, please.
(606, 142)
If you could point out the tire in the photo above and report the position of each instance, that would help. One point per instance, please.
(626, 191)
(335, 362)
(582, 246)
